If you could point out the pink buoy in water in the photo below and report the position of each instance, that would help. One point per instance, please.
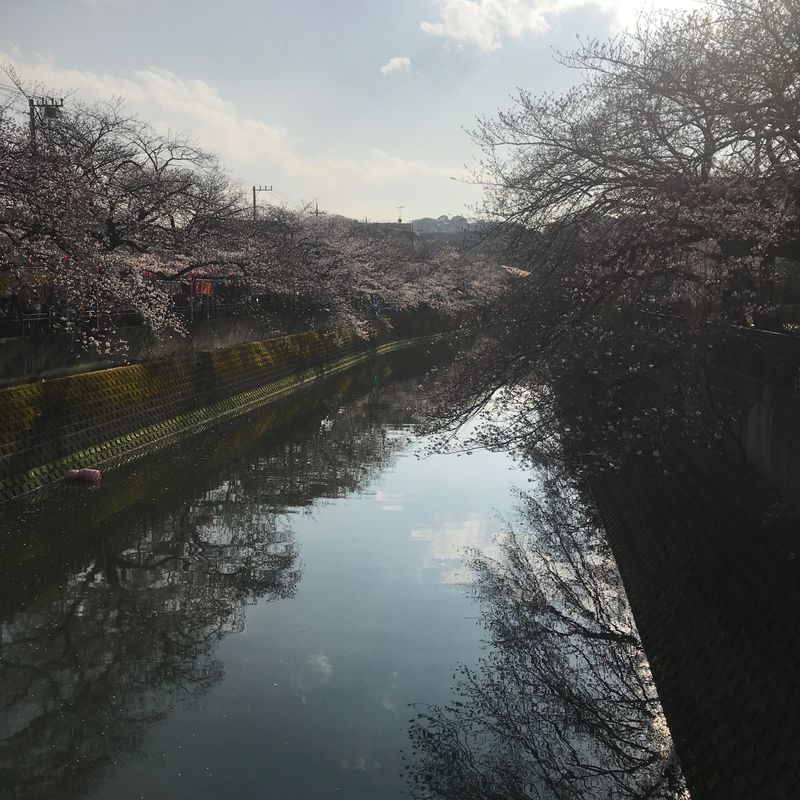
(84, 475)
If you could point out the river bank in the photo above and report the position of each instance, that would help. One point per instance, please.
(105, 417)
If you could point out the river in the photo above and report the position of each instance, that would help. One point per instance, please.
(250, 614)
(310, 602)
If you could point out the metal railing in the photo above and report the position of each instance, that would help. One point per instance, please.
(17, 324)
(26, 324)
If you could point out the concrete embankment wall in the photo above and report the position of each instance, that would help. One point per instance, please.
(54, 355)
(713, 588)
(106, 417)
(771, 438)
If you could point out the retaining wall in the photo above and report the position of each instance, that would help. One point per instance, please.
(713, 586)
(110, 416)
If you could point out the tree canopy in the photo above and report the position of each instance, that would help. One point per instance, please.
(100, 213)
(655, 200)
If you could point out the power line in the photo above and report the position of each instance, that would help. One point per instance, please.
(289, 198)
(286, 198)
(294, 203)
(30, 95)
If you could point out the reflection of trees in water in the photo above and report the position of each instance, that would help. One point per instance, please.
(563, 705)
(341, 454)
(110, 648)
(336, 455)
(85, 670)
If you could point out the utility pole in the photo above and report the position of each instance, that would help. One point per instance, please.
(258, 189)
(52, 108)
(32, 111)
(400, 214)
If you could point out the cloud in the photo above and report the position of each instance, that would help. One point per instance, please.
(396, 64)
(487, 24)
(247, 145)
(167, 101)
(101, 3)
(448, 541)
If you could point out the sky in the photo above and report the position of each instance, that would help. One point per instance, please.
(359, 105)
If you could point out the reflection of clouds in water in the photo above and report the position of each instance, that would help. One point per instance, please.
(449, 540)
(389, 501)
(388, 702)
(322, 664)
(359, 764)
(388, 698)
(317, 673)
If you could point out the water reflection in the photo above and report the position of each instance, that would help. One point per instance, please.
(112, 604)
(448, 541)
(97, 660)
(563, 705)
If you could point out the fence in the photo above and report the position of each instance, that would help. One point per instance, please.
(19, 323)
(772, 358)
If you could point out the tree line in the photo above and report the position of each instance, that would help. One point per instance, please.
(101, 213)
(652, 207)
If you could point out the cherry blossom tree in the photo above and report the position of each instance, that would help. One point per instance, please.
(651, 205)
(104, 215)
(351, 271)
(95, 203)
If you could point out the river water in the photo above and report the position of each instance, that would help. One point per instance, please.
(311, 602)
(248, 615)
(306, 603)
